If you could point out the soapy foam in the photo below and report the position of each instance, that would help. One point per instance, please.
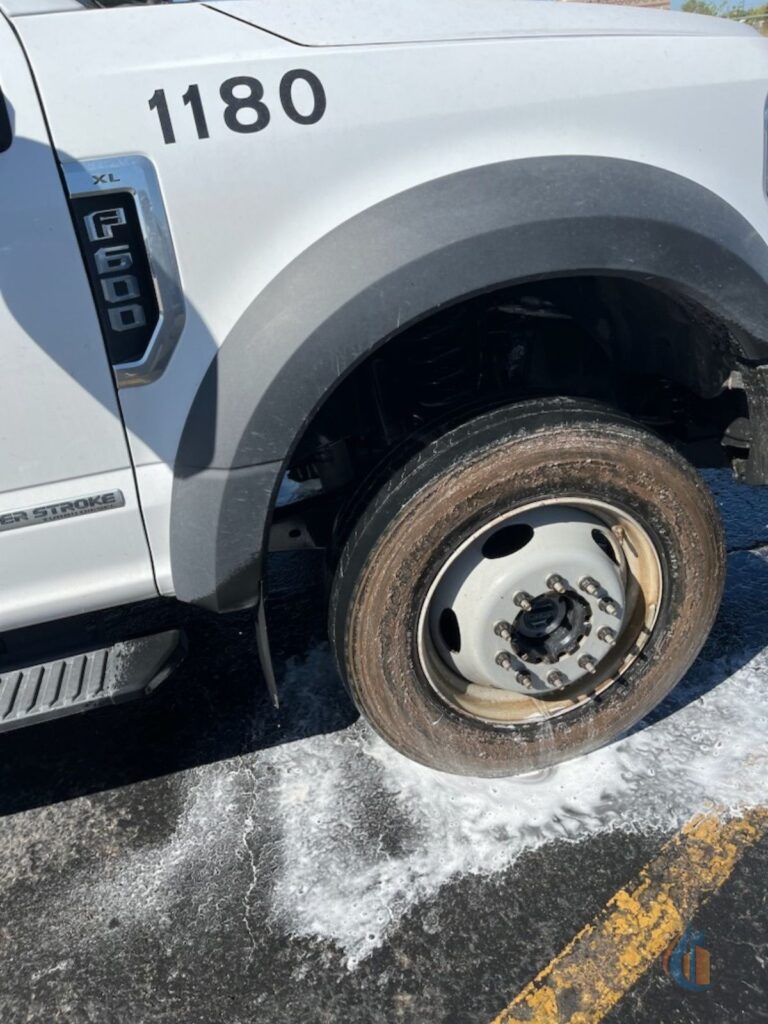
(336, 837)
(337, 883)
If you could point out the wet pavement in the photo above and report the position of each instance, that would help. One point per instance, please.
(200, 857)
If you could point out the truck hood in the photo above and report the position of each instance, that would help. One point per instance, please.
(371, 22)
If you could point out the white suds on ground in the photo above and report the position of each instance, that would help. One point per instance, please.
(356, 835)
(337, 883)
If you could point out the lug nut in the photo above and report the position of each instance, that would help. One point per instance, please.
(587, 663)
(503, 660)
(608, 636)
(609, 607)
(557, 679)
(523, 600)
(523, 678)
(556, 583)
(589, 585)
(503, 629)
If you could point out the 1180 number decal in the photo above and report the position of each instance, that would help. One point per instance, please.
(245, 109)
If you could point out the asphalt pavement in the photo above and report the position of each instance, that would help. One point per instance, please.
(201, 858)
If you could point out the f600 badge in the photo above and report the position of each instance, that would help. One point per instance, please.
(123, 289)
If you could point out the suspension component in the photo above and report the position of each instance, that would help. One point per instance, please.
(443, 372)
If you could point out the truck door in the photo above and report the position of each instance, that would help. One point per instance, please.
(71, 532)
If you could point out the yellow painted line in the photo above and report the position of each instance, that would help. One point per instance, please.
(607, 957)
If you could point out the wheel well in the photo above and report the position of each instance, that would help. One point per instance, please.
(653, 355)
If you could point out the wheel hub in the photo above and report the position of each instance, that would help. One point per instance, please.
(555, 625)
(546, 614)
(533, 603)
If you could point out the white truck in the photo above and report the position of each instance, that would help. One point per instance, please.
(477, 285)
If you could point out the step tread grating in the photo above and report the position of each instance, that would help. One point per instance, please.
(80, 680)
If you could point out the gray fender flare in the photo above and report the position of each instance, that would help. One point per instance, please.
(399, 261)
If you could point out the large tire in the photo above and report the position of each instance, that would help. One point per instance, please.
(558, 449)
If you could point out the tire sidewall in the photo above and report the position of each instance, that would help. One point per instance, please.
(562, 442)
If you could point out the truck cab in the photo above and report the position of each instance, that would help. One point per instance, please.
(264, 265)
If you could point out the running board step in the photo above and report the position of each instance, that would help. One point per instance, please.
(87, 679)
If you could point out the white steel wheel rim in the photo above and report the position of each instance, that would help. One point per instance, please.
(591, 577)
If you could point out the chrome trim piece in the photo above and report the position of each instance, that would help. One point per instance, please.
(85, 505)
(137, 175)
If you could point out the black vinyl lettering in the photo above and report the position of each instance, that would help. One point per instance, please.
(247, 113)
(192, 98)
(159, 103)
(253, 101)
(318, 96)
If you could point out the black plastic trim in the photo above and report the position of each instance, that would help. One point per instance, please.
(401, 260)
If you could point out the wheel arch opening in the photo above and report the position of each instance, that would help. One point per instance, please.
(638, 345)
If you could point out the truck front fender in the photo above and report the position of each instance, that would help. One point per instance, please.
(401, 260)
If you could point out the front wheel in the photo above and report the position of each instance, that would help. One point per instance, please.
(526, 588)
